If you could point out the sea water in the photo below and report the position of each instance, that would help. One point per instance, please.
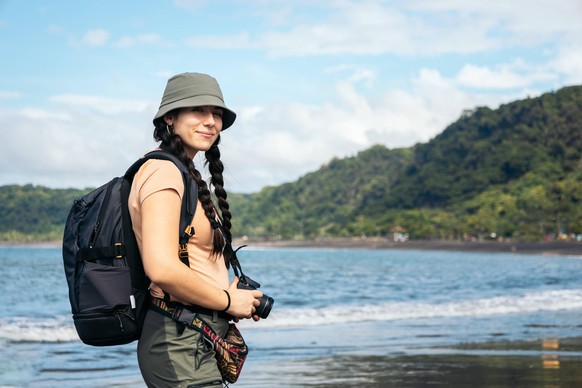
(328, 302)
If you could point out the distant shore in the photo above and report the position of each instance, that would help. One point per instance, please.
(570, 248)
(545, 248)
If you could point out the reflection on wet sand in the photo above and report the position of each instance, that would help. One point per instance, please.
(550, 360)
(475, 365)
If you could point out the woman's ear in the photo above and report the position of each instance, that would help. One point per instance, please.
(168, 119)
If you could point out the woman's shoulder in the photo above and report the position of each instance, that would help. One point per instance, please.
(156, 175)
(163, 169)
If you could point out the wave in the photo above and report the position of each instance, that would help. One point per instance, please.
(61, 329)
(30, 329)
(521, 304)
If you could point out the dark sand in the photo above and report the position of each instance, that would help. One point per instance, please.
(546, 248)
(549, 363)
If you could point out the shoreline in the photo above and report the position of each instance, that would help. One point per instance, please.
(570, 248)
(550, 248)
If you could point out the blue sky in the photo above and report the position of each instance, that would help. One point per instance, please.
(310, 80)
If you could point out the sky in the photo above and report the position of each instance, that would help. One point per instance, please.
(310, 80)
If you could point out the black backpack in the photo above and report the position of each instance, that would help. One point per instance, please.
(108, 288)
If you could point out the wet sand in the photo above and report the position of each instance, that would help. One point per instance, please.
(548, 363)
(545, 248)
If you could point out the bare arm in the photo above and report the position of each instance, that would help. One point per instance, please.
(160, 224)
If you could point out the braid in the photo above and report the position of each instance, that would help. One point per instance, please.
(173, 144)
(216, 168)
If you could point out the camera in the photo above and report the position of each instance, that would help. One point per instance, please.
(265, 301)
(246, 283)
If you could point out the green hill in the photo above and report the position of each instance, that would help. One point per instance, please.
(513, 172)
(34, 213)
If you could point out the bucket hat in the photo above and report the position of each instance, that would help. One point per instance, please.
(194, 89)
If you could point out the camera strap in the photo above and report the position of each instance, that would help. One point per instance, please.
(233, 259)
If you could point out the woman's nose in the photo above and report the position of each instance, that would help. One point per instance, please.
(209, 119)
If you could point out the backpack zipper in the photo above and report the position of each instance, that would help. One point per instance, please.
(94, 234)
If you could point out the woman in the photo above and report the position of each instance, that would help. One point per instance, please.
(191, 116)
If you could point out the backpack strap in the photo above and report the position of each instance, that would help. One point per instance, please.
(189, 199)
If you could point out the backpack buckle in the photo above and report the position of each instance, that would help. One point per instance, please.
(189, 230)
(119, 251)
(183, 251)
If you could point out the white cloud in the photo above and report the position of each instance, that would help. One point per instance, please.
(95, 38)
(568, 63)
(288, 140)
(42, 114)
(426, 27)
(130, 41)
(125, 42)
(355, 28)
(517, 74)
(359, 73)
(101, 104)
(8, 95)
(74, 145)
(55, 29)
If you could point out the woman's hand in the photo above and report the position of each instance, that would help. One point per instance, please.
(243, 303)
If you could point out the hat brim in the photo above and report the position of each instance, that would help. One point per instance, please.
(228, 116)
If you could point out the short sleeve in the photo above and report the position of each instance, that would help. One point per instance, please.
(157, 175)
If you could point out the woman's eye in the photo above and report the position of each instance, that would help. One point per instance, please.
(217, 113)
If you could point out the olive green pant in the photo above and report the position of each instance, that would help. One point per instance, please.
(171, 355)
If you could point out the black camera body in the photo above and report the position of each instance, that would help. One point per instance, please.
(265, 301)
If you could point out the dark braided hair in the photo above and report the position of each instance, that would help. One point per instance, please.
(173, 144)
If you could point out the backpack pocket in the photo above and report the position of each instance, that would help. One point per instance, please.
(103, 287)
(106, 328)
(105, 314)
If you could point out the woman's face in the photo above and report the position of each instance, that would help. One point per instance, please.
(198, 127)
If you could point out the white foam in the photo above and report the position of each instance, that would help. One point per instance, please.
(23, 329)
(519, 304)
(61, 329)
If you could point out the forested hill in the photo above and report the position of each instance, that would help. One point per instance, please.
(513, 172)
(486, 147)
(34, 213)
(510, 172)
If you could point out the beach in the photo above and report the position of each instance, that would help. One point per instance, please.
(546, 362)
(539, 247)
(347, 313)
(549, 363)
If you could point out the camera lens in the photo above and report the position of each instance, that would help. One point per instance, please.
(265, 305)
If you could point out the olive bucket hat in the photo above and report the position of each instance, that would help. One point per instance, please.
(194, 89)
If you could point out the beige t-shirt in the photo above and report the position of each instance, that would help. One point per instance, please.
(157, 175)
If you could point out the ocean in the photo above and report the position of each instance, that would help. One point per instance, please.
(330, 305)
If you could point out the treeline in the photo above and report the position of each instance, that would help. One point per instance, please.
(514, 172)
(34, 213)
